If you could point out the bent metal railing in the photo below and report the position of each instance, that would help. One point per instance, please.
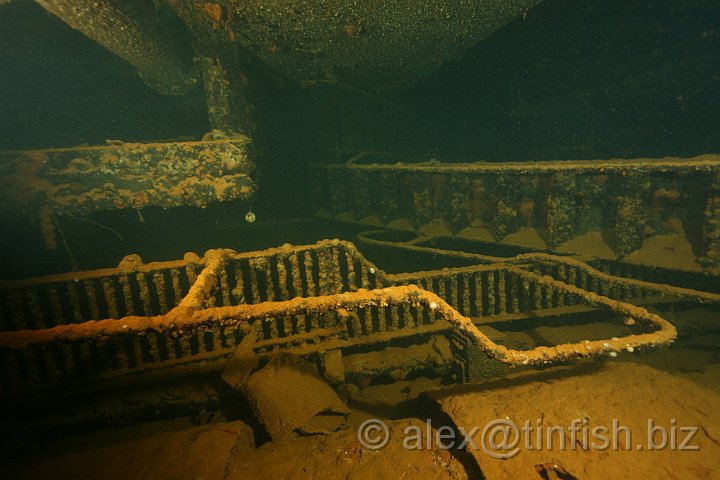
(194, 312)
(574, 270)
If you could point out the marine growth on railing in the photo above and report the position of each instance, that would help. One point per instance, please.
(614, 208)
(141, 318)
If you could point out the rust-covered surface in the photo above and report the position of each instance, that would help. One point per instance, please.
(193, 313)
(78, 181)
(371, 46)
(132, 31)
(226, 91)
(643, 210)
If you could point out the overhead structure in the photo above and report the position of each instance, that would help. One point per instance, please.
(132, 31)
(372, 46)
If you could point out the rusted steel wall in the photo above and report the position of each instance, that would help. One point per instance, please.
(78, 181)
(629, 200)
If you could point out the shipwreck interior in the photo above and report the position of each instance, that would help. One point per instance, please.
(234, 231)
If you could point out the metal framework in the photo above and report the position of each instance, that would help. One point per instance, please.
(190, 315)
(631, 199)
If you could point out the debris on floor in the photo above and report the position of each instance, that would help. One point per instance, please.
(289, 398)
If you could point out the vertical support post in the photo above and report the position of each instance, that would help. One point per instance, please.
(360, 195)
(710, 258)
(459, 201)
(561, 208)
(590, 201)
(423, 196)
(507, 192)
(226, 88)
(631, 207)
(388, 195)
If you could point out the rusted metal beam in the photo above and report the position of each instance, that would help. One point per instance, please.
(78, 181)
(131, 31)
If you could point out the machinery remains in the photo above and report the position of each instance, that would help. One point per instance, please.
(44, 184)
(323, 302)
(643, 211)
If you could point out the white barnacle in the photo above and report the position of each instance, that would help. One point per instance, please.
(613, 354)
(433, 305)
